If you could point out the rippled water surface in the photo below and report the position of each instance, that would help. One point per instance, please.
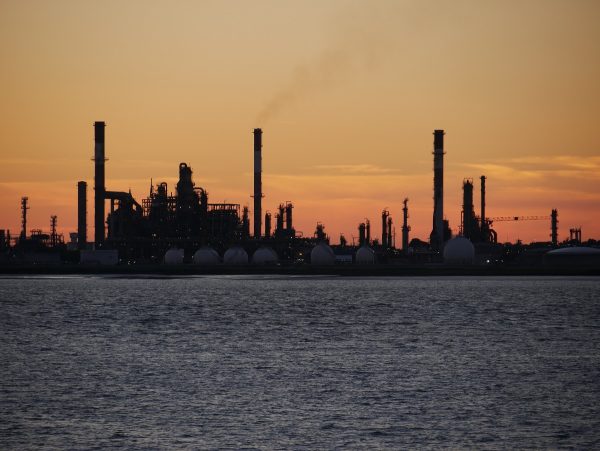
(276, 362)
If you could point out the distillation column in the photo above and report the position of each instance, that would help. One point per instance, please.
(405, 226)
(24, 208)
(385, 239)
(257, 182)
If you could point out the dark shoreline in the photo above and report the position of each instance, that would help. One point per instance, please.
(303, 270)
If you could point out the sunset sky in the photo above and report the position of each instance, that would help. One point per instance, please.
(348, 94)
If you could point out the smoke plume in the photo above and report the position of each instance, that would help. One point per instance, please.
(360, 44)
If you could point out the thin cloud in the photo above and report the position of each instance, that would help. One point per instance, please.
(357, 169)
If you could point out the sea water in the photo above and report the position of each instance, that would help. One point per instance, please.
(299, 363)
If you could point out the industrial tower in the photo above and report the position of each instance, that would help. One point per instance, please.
(437, 234)
(257, 182)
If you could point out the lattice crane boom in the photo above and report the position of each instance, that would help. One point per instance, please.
(518, 218)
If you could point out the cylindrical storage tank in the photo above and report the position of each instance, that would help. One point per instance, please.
(365, 256)
(264, 256)
(459, 251)
(322, 255)
(174, 256)
(573, 256)
(206, 256)
(235, 255)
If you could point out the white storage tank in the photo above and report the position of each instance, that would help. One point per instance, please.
(365, 256)
(207, 256)
(573, 256)
(322, 255)
(235, 255)
(264, 256)
(174, 256)
(459, 251)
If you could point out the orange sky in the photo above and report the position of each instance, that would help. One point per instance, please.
(348, 94)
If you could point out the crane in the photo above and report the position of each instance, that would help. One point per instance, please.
(517, 218)
(553, 222)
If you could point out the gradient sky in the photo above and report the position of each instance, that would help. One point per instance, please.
(348, 94)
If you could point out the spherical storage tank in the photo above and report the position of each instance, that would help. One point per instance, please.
(459, 251)
(174, 256)
(235, 255)
(322, 254)
(365, 256)
(206, 256)
(264, 256)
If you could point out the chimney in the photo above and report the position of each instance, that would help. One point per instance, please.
(483, 222)
(81, 215)
(257, 182)
(99, 188)
(437, 234)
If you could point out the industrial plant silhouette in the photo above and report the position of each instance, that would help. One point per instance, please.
(185, 228)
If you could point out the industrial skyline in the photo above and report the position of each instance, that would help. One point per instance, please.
(346, 108)
(470, 224)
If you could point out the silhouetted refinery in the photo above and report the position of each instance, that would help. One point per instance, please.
(183, 232)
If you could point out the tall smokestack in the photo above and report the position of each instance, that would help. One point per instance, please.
(437, 234)
(81, 214)
(483, 177)
(257, 182)
(99, 188)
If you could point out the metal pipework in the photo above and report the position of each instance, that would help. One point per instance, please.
(257, 182)
(53, 233)
(99, 186)
(279, 217)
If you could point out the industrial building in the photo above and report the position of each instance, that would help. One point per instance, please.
(179, 225)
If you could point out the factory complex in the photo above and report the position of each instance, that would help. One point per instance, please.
(183, 229)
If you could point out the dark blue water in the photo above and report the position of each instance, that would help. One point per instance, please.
(279, 363)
